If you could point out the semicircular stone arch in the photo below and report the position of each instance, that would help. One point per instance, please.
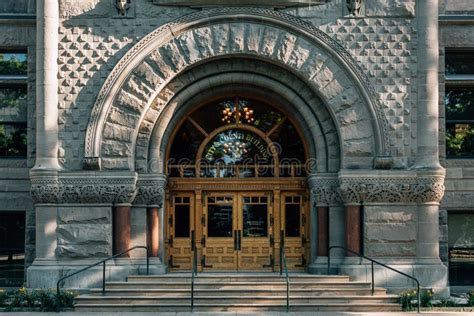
(284, 40)
(228, 77)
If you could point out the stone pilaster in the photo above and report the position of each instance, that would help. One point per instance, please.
(428, 86)
(47, 144)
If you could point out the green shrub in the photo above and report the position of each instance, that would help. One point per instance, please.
(446, 302)
(406, 298)
(409, 299)
(426, 296)
(470, 298)
(45, 300)
(3, 298)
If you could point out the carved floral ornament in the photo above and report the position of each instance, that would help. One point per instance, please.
(107, 188)
(386, 189)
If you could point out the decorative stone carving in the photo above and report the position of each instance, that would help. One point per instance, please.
(383, 162)
(91, 163)
(151, 190)
(122, 6)
(406, 189)
(325, 190)
(354, 7)
(84, 188)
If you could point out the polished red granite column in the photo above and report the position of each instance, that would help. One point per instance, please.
(153, 223)
(323, 231)
(353, 229)
(121, 229)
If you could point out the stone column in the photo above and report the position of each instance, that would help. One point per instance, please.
(153, 224)
(323, 231)
(121, 229)
(427, 242)
(428, 99)
(47, 85)
(353, 229)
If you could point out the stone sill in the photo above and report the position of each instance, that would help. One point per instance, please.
(456, 19)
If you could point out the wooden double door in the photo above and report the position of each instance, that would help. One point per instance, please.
(236, 231)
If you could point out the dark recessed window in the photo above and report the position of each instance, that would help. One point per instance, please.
(461, 248)
(459, 104)
(13, 104)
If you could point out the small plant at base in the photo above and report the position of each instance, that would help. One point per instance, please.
(426, 297)
(406, 298)
(470, 298)
(3, 297)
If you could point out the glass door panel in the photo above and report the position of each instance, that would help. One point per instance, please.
(180, 224)
(254, 222)
(219, 233)
(293, 223)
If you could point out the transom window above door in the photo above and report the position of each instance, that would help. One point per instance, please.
(236, 137)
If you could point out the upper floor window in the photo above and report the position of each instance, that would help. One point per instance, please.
(459, 102)
(13, 103)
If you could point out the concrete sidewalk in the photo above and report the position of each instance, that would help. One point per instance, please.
(233, 313)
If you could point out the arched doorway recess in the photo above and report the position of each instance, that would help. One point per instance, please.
(237, 186)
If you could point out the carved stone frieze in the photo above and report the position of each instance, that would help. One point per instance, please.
(354, 7)
(151, 190)
(410, 189)
(83, 188)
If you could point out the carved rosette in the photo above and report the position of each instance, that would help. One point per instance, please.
(80, 188)
(422, 189)
(325, 190)
(151, 190)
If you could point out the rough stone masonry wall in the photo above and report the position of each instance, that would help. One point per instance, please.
(93, 38)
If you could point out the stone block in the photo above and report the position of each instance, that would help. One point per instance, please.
(390, 232)
(389, 214)
(84, 215)
(84, 234)
(398, 8)
(407, 249)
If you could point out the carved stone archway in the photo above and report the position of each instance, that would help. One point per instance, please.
(290, 43)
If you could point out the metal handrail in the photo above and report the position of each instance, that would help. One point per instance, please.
(381, 264)
(103, 268)
(194, 269)
(284, 264)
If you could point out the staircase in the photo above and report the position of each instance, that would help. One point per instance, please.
(237, 292)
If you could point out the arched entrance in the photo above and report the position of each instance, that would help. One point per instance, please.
(236, 169)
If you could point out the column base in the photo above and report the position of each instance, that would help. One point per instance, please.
(431, 273)
(45, 273)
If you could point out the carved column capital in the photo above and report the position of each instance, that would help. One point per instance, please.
(325, 189)
(151, 190)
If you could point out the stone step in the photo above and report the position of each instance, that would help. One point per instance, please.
(231, 300)
(365, 307)
(226, 292)
(236, 285)
(236, 278)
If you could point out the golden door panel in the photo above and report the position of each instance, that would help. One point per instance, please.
(293, 224)
(180, 227)
(219, 219)
(255, 219)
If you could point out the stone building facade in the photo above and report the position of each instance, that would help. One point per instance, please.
(110, 82)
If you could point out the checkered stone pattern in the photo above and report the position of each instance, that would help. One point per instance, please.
(386, 49)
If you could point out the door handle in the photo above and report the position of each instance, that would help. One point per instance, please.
(235, 240)
(239, 240)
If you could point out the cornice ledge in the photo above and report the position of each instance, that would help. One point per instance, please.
(151, 190)
(83, 187)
